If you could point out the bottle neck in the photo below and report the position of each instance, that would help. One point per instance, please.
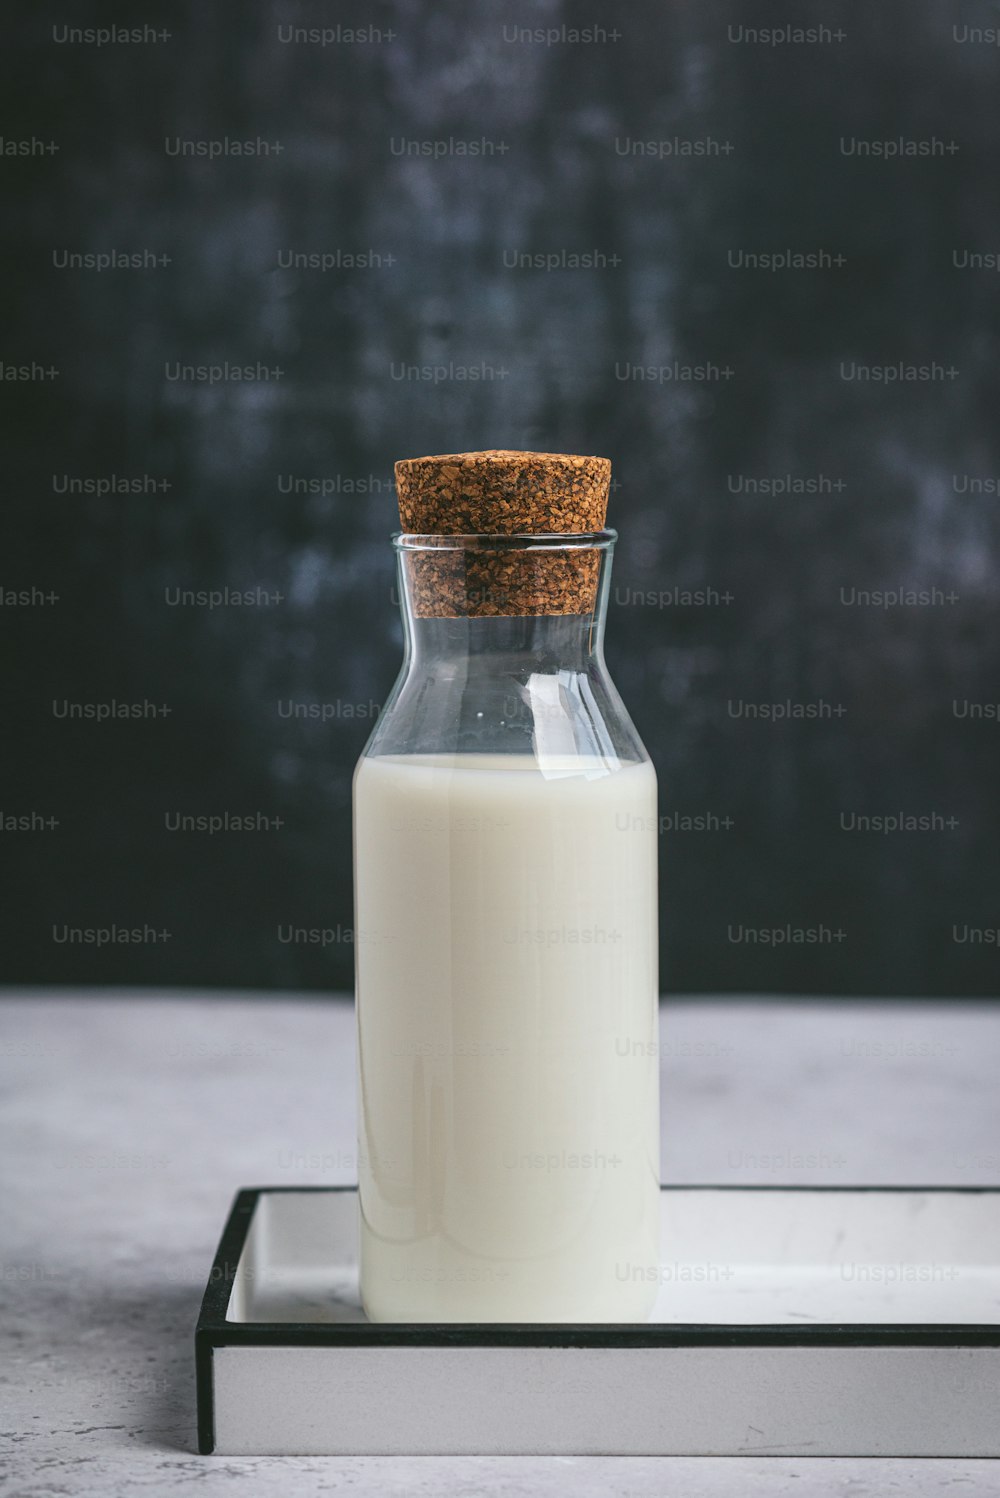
(483, 602)
(501, 644)
(505, 654)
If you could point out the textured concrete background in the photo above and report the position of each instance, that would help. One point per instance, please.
(757, 146)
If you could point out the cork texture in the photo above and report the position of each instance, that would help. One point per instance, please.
(509, 494)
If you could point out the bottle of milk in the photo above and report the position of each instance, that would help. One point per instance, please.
(506, 918)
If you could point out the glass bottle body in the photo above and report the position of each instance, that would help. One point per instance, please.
(506, 915)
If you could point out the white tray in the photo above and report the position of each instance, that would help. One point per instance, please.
(794, 1322)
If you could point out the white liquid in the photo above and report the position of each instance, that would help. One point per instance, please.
(507, 992)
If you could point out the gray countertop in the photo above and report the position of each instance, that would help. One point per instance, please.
(130, 1119)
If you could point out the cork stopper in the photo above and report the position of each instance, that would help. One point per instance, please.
(501, 493)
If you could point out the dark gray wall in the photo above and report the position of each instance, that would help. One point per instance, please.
(906, 470)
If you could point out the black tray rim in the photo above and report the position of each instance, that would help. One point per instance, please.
(213, 1330)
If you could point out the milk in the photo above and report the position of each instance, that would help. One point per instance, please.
(508, 1069)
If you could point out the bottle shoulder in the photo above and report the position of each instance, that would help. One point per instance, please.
(533, 709)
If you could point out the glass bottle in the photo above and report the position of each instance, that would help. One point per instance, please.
(506, 942)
